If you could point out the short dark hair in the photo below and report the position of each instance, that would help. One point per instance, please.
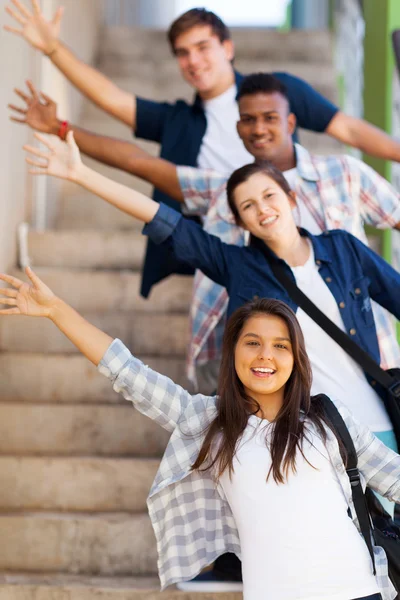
(193, 18)
(261, 83)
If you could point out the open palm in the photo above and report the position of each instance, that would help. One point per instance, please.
(62, 160)
(34, 299)
(41, 34)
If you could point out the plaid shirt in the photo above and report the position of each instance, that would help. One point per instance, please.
(192, 521)
(340, 192)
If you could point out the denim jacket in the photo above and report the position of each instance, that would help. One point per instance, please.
(192, 520)
(353, 272)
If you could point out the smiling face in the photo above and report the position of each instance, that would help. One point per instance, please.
(264, 359)
(266, 127)
(264, 209)
(205, 61)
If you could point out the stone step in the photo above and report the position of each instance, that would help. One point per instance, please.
(53, 586)
(76, 484)
(87, 249)
(90, 290)
(131, 45)
(99, 544)
(76, 430)
(26, 378)
(142, 333)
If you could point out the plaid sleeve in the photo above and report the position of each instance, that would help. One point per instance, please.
(154, 395)
(379, 201)
(199, 187)
(379, 464)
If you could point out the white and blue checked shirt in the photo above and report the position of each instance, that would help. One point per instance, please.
(192, 521)
(340, 192)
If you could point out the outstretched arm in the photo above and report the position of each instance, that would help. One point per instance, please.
(154, 395)
(35, 299)
(64, 161)
(364, 136)
(40, 113)
(44, 36)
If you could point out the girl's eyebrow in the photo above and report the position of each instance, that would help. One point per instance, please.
(277, 339)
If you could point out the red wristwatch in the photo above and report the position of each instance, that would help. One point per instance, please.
(62, 132)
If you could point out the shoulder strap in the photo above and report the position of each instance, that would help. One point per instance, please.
(360, 505)
(340, 337)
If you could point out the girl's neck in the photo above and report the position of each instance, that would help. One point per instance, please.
(292, 248)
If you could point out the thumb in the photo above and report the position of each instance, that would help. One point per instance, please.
(59, 15)
(33, 277)
(71, 140)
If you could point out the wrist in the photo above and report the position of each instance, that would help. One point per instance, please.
(52, 49)
(56, 310)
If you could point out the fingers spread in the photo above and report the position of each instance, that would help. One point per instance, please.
(22, 95)
(14, 281)
(9, 292)
(10, 311)
(8, 301)
(32, 89)
(46, 99)
(36, 6)
(33, 277)
(13, 30)
(16, 120)
(36, 163)
(36, 151)
(22, 8)
(44, 141)
(15, 15)
(17, 109)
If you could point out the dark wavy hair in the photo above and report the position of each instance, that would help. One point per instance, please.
(234, 406)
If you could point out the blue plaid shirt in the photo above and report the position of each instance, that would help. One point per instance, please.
(192, 520)
(340, 192)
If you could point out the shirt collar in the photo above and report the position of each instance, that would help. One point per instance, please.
(321, 254)
(198, 102)
(304, 164)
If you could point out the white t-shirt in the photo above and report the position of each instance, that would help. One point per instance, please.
(297, 540)
(334, 372)
(221, 148)
(302, 216)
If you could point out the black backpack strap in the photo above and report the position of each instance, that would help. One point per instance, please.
(360, 505)
(368, 364)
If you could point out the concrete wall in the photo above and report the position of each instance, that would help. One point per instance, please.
(20, 195)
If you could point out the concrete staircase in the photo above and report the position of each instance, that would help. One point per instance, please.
(76, 461)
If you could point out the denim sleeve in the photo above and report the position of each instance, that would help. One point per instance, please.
(312, 110)
(194, 246)
(384, 286)
(150, 119)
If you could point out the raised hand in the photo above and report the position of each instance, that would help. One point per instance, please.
(62, 160)
(38, 32)
(40, 112)
(34, 299)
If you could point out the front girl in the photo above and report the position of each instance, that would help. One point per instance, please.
(255, 470)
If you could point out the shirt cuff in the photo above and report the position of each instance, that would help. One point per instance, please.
(114, 359)
(162, 225)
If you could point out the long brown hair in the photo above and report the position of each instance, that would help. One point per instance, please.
(234, 406)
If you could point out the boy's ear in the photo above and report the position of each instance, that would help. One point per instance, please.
(229, 49)
(291, 123)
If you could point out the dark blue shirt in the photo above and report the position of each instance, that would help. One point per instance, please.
(353, 272)
(180, 128)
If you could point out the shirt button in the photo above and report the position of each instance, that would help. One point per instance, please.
(373, 382)
(318, 262)
(328, 279)
(342, 304)
(352, 331)
(255, 297)
(357, 291)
